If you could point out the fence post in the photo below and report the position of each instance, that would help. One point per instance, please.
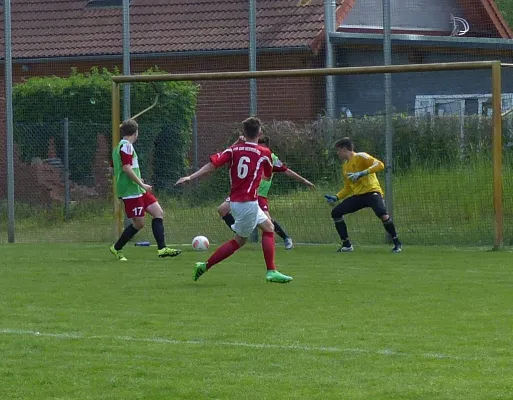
(195, 142)
(67, 194)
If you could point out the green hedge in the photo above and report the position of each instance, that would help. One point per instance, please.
(85, 99)
(419, 143)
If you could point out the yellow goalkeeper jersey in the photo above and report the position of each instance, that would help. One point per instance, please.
(366, 184)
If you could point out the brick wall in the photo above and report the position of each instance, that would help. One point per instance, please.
(221, 104)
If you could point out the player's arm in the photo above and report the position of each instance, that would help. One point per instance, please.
(370, 165)
(216, 161)
(268, 169)
(205, 170)
(127, 169)
(342, 193)
(126, 160)
(297, 177)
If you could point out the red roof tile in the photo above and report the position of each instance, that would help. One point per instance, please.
(66, 28)
(53, 28)
(497, 18)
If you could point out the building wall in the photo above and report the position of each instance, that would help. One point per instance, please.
(407, 14)
(221, 104)
(364, 94)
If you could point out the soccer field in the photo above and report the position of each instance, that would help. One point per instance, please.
(430, 323)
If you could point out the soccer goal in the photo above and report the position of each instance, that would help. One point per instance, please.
(443, 142)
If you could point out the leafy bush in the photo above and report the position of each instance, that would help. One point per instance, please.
(85, 99)
(418, 143)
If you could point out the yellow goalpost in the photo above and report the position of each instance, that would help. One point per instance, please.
(495, 75)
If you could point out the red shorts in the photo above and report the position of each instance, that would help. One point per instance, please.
(137, 206)
(262, 202)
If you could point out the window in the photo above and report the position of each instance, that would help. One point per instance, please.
(459, 104)
(104, 3)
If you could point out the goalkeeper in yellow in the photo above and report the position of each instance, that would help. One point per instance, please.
(361, 190)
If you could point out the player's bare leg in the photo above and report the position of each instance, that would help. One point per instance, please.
(272, 274)
(157, 226)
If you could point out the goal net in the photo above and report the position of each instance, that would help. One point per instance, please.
(442, 143)
(440, 180)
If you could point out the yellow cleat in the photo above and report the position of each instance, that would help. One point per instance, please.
(117, 253)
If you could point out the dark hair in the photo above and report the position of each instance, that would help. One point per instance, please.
(129, 127)
(265, 140)
(251, 127)
(344, 143)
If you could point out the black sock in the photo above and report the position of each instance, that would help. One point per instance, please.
(127, 234)
(157, 226)
(229, 220)
(390, 228)
(279, 230)
(341, 226)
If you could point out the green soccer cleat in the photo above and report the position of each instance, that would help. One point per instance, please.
(117, 253)
(168, 252)
(277, 277)
(199, 269)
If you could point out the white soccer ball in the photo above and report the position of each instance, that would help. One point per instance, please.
(200, 243)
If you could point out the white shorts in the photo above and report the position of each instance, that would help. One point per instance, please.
(247, 216)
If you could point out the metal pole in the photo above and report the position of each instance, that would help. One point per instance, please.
(126, 57)
(9, 121)
(389, 129)
(126, 70)
(253, 106)
(115, 141)
(498, 202)
(329, 27)
(67, 196)
(195, 141)
(252, 58)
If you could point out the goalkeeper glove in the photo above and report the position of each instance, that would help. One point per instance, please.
(330, 198)
(354, 176)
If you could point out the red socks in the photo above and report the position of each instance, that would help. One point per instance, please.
(223, 252)
(227, 249)
(268, 248)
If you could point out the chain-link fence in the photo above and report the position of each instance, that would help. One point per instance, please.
(442, 161)
(441, 120)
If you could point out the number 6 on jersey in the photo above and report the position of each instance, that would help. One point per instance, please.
(242, 167)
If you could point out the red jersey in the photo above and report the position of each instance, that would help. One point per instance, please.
(248, 162)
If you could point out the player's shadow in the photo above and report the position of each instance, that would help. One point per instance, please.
(202, 286)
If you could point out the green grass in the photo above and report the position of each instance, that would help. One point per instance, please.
(431, 207)
(430, 323)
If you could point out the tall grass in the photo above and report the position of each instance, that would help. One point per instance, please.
(448, 206)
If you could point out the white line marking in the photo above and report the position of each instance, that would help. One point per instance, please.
(213, 343)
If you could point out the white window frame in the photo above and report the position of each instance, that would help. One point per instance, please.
(425, 104)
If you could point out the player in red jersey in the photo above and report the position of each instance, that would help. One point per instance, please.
(263, 190)
(248, 163)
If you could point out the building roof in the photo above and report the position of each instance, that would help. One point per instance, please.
(63, 28)
(483, 16)
(67, 28)
(496, 17)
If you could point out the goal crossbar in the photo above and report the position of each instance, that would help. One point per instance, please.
(288, 73)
